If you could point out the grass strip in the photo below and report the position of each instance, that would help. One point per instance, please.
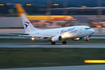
(40, 57)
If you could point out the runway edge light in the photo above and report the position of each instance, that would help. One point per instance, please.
(94, 61)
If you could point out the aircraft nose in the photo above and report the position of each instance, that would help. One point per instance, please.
(92, 30)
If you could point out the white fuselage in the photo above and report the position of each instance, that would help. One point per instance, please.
(57, 34)
(66, 32)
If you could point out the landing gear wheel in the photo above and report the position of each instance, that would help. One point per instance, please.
(87, 39)
(64, 42)
(52, 43)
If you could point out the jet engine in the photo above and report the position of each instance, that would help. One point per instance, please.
(56, 38)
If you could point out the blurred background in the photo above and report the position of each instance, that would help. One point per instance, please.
(85, 12)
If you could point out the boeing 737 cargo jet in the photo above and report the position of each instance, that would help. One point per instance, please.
(57, 34)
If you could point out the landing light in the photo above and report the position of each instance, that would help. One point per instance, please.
(77, 38)
(32, 38)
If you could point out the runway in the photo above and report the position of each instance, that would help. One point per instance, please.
(80, 67)
(48, 45)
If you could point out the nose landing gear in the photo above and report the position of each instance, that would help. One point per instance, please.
(86, 39)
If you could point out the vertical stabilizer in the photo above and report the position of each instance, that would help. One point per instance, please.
(20, 10)
(27, 24)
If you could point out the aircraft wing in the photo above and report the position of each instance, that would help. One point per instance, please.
(18, 34)
(40, 37)
(35, 36)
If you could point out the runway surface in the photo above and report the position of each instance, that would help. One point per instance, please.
(48, 45)
(81, 67)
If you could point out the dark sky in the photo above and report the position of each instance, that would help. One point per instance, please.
(44, 2)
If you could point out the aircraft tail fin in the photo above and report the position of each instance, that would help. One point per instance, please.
(27, 25)
(20, 10)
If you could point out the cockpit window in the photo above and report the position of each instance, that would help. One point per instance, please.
(87, 28)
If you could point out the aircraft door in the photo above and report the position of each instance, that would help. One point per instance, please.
(81, 32)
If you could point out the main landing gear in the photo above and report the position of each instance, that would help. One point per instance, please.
(52, 43)
(63, 42)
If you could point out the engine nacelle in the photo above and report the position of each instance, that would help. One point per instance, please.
(77, 39)
(56, 38)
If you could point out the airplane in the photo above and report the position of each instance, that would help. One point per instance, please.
(57, 34)
(43, 18)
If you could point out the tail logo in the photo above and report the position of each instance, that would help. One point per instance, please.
(26, 24)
